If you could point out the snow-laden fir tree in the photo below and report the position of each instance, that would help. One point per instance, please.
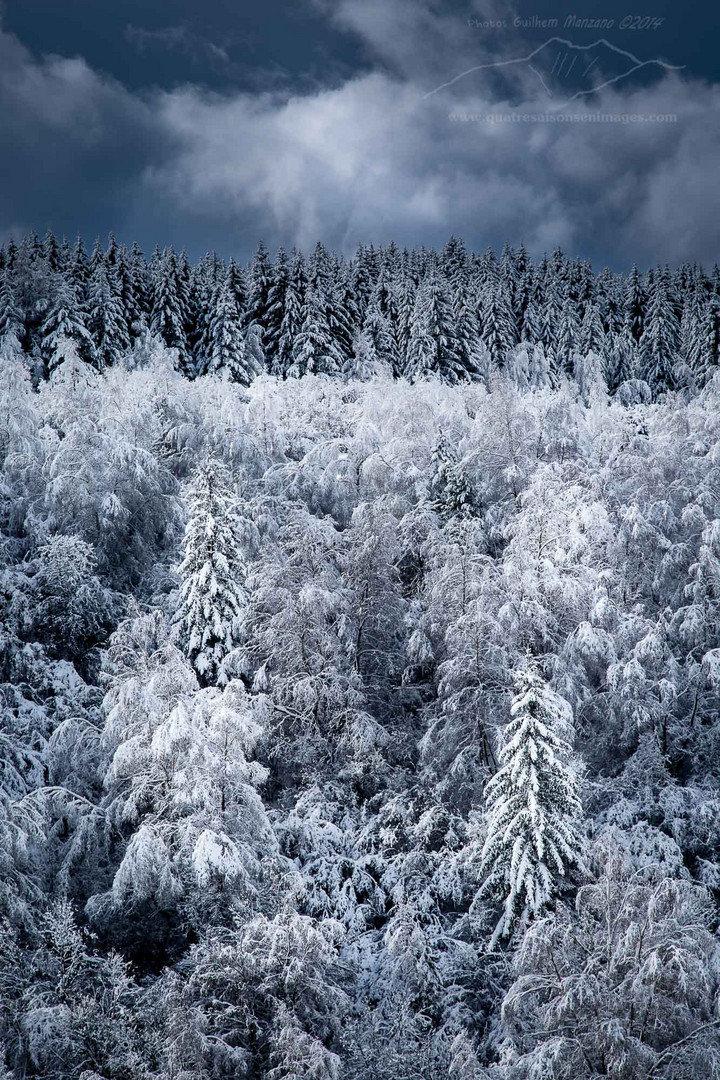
(212, 595)
(276, 305)
(314, 350)
(292, 316)
(168, 317)
(433, 347)
(450, 494)
(499, 331)
(634, 307)
(254, 353)
(659, 341)
(12, 321)
(226, 343)
(261, 282)
(533, 812)
(65, 322)
(106, 318)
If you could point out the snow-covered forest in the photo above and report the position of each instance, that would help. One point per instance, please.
(412, 315)
(360, 658)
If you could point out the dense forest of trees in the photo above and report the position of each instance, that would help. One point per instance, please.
(359, 668)
(412, 314)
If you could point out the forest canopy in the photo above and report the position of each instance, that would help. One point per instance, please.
(359, 667)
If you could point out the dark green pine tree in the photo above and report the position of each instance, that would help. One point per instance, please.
(522, 284)
(11, 254)
(112, 252)
(140, 278)
(531, 329)
(131, 302)
(80, 270)
(51, 251)
(610, 298)
(315, 350)
(97, 255)
(206, 278)
(236, 280)
(620, 360)
(183, 279)
(550, 311)
(405, 289)
(591, 335)
(454, 262)
(343, 314)
(578, 282)
(363, 273)
(700, 339)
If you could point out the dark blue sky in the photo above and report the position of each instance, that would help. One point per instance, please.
(219, 43)
(215, 124)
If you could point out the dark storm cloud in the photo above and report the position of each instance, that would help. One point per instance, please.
(369, 157)
(75, 144)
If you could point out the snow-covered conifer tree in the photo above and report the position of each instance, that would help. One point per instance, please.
(65, 322)
(106, 318)
(254, 353)
(168, 316)
(497, 319)
(276, 306)
(12, 322)
(212, 594)
(292, 314)
(261, 282)
(226, 343)
(659, 340)
(433, 347)
(314, 349)
(533, 805)
(635, 301)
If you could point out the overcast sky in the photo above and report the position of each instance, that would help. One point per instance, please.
(214, 125)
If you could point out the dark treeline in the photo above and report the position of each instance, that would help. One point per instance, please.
(416, 313)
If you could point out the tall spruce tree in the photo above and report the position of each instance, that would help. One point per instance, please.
(659, 342)
(168, 317)
(533, 838)
(225, 339)
(261, 282)
(106, 317)
(292, 315)
(212, 595)
(314, 349)
(433, 347)
(65, 323)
